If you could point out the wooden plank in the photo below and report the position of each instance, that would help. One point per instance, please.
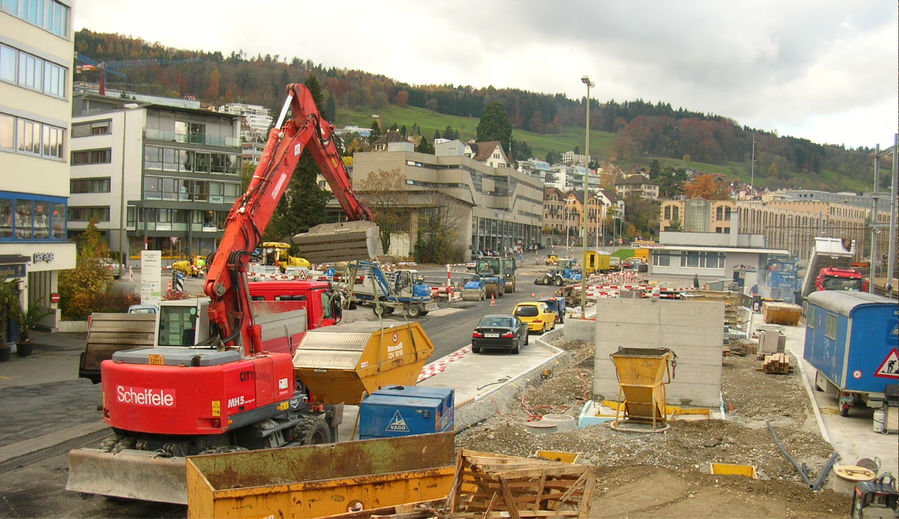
(510, 502)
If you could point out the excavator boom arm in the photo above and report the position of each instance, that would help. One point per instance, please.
(226, 280)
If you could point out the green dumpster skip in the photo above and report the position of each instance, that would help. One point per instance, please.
(320, 480)
(641, 382)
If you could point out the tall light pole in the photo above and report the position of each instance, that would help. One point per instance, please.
(585, 80)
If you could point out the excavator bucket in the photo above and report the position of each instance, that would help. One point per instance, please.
(345, 241)
(129, 474)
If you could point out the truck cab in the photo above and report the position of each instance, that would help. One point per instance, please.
(833, 278)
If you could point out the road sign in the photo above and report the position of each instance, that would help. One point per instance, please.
(54, 297)
(889, 368)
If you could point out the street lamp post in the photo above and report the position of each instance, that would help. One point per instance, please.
(585, 80)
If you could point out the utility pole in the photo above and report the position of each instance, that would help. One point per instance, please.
(752, 168)
(891, 256)
(873, 271)
(586, 81)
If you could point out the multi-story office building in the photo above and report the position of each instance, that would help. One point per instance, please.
(36, 49)
(492, 208)
(153, 176)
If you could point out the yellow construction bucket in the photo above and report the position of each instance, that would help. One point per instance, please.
(641, 381)
(342, 364)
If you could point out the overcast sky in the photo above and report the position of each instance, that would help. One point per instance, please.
(825, 70)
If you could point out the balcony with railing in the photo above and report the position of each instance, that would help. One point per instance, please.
(193, 138)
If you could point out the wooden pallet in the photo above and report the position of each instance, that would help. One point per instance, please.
(777, 363)
(492, 486)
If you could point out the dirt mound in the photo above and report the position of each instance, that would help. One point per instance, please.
(667, 474)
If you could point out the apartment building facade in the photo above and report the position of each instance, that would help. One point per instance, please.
(789, 224)
(493, 208)
(153, 176)
(36, 49)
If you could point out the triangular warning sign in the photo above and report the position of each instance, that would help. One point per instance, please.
(890, 366)
(397, 423)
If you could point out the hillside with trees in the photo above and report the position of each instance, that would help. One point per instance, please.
(639, 131)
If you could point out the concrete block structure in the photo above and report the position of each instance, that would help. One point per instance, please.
(693, 330)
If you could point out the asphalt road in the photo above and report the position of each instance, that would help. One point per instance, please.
(34, 485)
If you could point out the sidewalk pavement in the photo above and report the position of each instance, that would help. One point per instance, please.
(42, 401)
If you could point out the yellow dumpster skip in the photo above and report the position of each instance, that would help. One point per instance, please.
(320, 480)
(561, 456)
(734, 469)
(641, 373)
(782, 313)
(341, 364)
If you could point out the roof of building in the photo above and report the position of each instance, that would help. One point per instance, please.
(483, 150)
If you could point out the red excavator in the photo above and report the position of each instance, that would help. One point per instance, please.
(233, 386)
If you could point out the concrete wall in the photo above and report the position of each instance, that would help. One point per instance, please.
(693, 330)
(579, 330)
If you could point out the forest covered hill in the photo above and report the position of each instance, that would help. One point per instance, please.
(629, 133)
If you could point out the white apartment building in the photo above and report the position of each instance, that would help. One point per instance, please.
(36, 49)
(153, 176)
(256, 120)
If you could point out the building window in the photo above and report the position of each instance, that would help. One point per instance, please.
(47, 14)
(830, 326)
(34, 218)
(32, 72)
(667, 212)
(84, 157)
(7, 132)
(30, 137)
(91, 128)
(90, 185)
(52, 146)
(86, 214)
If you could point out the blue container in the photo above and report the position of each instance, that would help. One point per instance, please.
(851, 338)
(406, 410)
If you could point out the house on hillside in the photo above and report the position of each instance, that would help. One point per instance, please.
(491, 153)
(638, 184)
(385, 142)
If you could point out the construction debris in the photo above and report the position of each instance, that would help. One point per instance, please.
(490, 485)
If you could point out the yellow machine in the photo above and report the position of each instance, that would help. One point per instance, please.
(278, 253)
(193, 267)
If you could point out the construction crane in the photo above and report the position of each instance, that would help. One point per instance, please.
(86, 64)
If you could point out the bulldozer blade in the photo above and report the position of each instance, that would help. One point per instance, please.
(129, 474)
(345, 241)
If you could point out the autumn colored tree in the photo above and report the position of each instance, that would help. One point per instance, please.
(81, 287)
(708, 187)
(385, 193)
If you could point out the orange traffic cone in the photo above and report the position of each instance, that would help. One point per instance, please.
(492, 300)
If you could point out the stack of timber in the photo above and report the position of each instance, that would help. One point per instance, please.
(492, 486)
(782, 313)
(778, 363)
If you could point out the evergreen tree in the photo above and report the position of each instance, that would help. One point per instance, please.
(494, 125)
(375, 132)
(437, 135)
(331, 110)
(424, 146)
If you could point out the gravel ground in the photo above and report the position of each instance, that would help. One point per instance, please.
(676, 461)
